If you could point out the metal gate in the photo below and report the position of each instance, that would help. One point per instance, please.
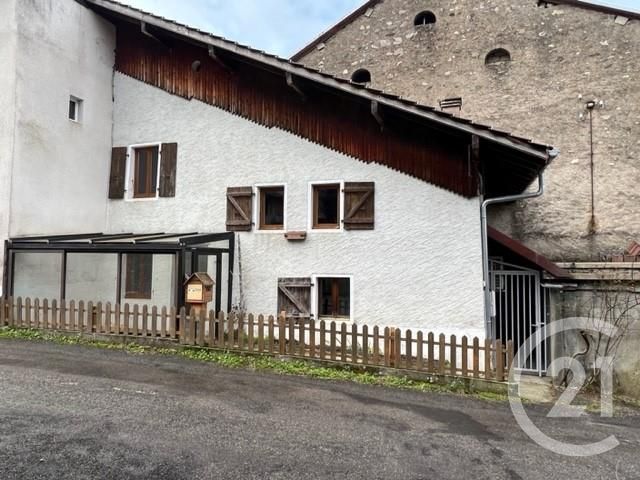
(519, 310)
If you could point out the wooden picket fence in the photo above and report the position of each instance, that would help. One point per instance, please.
(349, 344)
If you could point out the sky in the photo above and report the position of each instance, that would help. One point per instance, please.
(281, 27)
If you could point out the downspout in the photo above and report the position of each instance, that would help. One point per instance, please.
(488, 324)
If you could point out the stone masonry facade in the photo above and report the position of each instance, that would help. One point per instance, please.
(561, 58)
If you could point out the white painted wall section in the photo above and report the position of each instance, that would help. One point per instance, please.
(420, 267)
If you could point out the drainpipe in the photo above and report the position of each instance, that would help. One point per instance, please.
(488, 324)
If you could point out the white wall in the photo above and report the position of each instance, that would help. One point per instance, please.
(420, 267)
(57, 167)
(8, 42)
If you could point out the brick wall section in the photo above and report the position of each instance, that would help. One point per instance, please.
(562, 56)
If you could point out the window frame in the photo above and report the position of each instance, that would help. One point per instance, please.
(129, 190)
(258, 210)
(138, 294)
(315, 297)
(77, 118)
(312, 223)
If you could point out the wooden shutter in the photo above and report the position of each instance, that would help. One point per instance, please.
(239, 209)
(168, 162)
(294, 297)
(359, 205)
(118, 168)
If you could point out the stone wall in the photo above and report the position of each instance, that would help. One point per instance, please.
(562, 57)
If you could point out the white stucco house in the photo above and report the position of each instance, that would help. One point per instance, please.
(124, 134)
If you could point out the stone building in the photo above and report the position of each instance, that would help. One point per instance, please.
(564, 72)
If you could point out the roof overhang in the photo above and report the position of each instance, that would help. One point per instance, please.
(525, 253)
(429, 114)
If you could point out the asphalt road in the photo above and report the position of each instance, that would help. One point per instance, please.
(77, 412)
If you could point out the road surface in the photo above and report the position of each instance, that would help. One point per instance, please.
(80, 412)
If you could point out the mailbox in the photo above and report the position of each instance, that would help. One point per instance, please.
(199, 288)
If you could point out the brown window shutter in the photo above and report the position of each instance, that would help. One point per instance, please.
(239, 209)
(118, 168)
(294, 297)
(168, 162)
(359, 203)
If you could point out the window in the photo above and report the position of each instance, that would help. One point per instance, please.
(497, 57)
(75, 109)
(326, 206)
(334, 297)
(362, 76)
(271, 208)
(138, 273)
(424, 19)
(145, 172)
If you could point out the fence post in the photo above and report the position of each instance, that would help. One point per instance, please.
(301, 338)
(453, 355)
(182, 326)
(36, 313)
(332, 340)
(202, 317)
(45, 313)
(145, 321)
(387, 347)
(465, 362)
(90, 317)
(27, 311)
(154, 321)
(397, 342)
(354, 343)
(499, 361)
(376, 345)
(343, 342)
(220, 329)
(261, 333)
(282, 333)
(292, 337)
(250, 333)
(271, 332)
(442, 354)
(136, 320)
(312, 338)
(476, 357)
(323, 339)
(419, 345)
(212, 329)
(11, 312)
(365, 345)
(408, 350)
(488, 371)
(510, 357)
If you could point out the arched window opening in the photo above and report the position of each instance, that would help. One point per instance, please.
(425, 19)
(362, 76)
(499, 56)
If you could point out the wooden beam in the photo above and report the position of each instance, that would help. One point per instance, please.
(291, 84)
(214, 56)
(375, 111)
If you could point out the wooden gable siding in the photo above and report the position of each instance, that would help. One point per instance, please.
(339, 122)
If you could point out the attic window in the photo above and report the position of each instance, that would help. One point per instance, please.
(362, 76)
(425, 19)
(499, 56)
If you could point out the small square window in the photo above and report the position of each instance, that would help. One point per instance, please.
(75, 109)
(145, 172)
(326, 206)
(334, 297)
(271, 208)
(138, 275)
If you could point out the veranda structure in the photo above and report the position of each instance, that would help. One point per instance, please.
(97, 266)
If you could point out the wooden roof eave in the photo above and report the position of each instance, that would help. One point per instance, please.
(274, 62)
